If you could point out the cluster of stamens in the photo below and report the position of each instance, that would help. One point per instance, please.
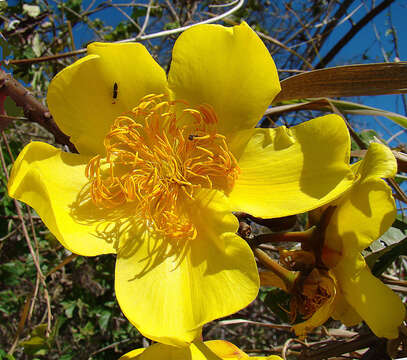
(158, 156)
(312, 290)
(313, 301)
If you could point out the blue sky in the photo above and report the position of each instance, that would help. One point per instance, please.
(365, 42)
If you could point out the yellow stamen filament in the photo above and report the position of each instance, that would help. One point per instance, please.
(156, 163)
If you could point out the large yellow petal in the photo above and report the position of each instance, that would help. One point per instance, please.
(381, 308)
(362, 216)
(344, 312)
(227, 68)
(227, 350)
(170, 292)
(133, 354)
(379, 162)
(158, 351)
(290, 171)
(80, 97)
(50, 181)
(210, 350)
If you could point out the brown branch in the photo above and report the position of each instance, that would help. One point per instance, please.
(32, 108)
(331, 25)
(340, 347)
(352, 32)
(280, 44)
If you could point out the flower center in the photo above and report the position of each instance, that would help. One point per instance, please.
(157, 158)
(313, 298)
(316, 289)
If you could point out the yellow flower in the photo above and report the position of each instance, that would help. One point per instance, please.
(361, 217)
(340, 283)
(162, 164)
(208, 350)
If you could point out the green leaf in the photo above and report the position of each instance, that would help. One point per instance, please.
(3, 5)
(172, 25)
(69, 307)
(347, 107)
(103, 320)
(11, 108)
(388, 248)
(386, 259)
(5, 356)
(37, 45)
(358, 109)
(38, 342)
(138, 12)
(8, 302)
(66, 357)
(11, 272)
(5, 47)
(368, 136)
(88, 329)
(392, 236)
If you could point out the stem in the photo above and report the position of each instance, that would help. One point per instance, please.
(285, 275)
(290, 236)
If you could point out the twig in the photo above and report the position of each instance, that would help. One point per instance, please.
(400, 157)
(7, 117)
(339, 347)
(143, 37)
(126, 16)
(280, 44)
(33, 109)
(401, 194)
(109, 347)
(223, 5)
(183, 28)
(68, 23)
(67, 260)
(10, 234)
(352, 32)
(21, 323)
(352, 132)
(332, 24)
(304, 28)
(28, 241)
(268, 325)
(172, 11)
(396, 49)
(287, 344)
(396, 135)
(47, 58)
(34, 296)
(146, 20)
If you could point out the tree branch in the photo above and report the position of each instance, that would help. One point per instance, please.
(33, 109)
(352, 32)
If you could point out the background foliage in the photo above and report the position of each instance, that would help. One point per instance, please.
(54, 305)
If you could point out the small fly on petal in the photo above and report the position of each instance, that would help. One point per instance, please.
(115, 92)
